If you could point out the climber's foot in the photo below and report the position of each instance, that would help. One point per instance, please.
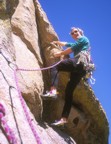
(50, 94)
(61, 122)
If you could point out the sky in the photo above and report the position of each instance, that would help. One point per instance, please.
(94, 17)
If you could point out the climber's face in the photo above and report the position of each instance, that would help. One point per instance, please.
(75, 33)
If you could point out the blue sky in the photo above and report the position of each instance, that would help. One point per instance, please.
(94, 18)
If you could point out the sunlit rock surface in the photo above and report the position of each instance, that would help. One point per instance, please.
(25, 36)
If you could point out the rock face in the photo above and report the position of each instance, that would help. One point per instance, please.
(25, 36)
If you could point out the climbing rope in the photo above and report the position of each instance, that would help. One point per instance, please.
(22, 100)
(9, 134)
(39, 69)
(6, 129)
(3, 124)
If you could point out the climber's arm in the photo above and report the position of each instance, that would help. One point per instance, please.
(65, 52)
(59, 43)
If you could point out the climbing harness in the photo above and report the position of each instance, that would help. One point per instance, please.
(84, 57)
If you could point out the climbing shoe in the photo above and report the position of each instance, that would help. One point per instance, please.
(50, 94)
(59, 123)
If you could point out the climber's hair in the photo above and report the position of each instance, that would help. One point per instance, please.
(80, 30)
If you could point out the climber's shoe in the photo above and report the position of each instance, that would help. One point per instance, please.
(50, 94)
(61, 122)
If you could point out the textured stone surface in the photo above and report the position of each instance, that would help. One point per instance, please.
(25, 40)
(25, 36)
(22, 50)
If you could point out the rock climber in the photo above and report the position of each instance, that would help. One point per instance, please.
(77, 67)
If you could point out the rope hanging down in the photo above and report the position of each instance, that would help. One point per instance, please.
(5, 128)
(26, 112)
(9, 134)
(3, 124)
(22, 100)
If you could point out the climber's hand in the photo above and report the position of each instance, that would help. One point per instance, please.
(59, 43)
(58, 54)
(55, 43)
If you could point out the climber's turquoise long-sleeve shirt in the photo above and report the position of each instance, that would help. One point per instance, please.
(81, 44)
